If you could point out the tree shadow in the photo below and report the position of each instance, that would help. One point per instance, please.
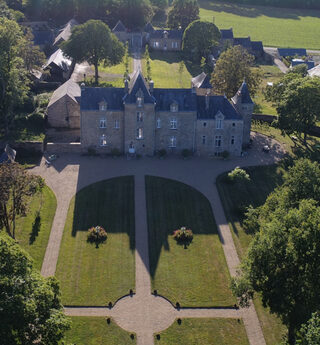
(35, 228)
(110, 204)
(254, 11)
(171, 205)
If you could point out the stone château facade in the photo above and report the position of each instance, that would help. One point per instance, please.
(142, 119)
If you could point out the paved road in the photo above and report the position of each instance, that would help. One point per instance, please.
(144, 313)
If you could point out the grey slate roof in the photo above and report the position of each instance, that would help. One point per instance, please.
(296, 62)
(292, 52)
(65, 33)
(202, 81)
(226, 34)
(8, 155)
(92, 96)
(216, 104)
(185, 99)
(43, 37)
(172, 34)
(245, 42)
(257, 46)
(136, 83)
(243, 95)
(119, 27)
(58, 59)
(69, 88)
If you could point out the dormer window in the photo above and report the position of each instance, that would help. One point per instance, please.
(174, 107)
(158, 123)
(103, 122)
(103, 106)
(139, 98)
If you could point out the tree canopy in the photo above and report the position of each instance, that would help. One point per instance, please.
(30, 308)
(310, 332)
(284, 256)
(182, 13)
(198, 38)
(94, 42)
(234, 66)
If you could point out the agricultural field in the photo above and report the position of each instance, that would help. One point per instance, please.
(294, 28)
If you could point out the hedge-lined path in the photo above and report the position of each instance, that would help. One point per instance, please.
(144, 312)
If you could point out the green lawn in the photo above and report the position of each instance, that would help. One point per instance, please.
(96, 276)
(197, 276)
(165, 70)
(96, 331)
(204, 332)
(269, 74)
(234, 197)
(296, 28)
(33, 232)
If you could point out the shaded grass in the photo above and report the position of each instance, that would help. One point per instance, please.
(205, 331)
(33, 231)
(277, 27)
(95, 276)
(270, 73)
(264, 180)
(165, 70)
(196, 276)
(96, 331)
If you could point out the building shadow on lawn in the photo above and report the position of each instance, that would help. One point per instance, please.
(108, 203)
(254, 11)
(171, 205)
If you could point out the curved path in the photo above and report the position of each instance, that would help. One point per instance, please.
(71, 173)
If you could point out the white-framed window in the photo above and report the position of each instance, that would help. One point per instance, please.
(158, 123)
(175, 45)
(173, 123)
(156, 44)
(219, 123)
(139, 101)
(232, 140)
(204, 139)
(103, 140)
(174, 107)
(103, 122)
(218, 140)
(139, 116)
(173, 142)
(139, 133)
(116, 124)
(103, 106)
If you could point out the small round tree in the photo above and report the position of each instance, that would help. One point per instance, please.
(183, 236)
(97, 235)
(238, 175)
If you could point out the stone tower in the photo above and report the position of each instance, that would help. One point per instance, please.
(244, 104)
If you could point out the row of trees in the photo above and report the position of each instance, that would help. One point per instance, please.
(134, 13)
(283, 260)
(281, 3)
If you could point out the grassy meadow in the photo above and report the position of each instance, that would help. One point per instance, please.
(276, 27)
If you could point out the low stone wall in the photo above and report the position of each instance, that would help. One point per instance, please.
(63, 148)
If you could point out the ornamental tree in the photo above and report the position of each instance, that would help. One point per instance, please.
(94, 42)
(198, 39)
(30, 307)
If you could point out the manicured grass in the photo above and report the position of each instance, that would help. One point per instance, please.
(277, 27)
(269, 74)
(165, 70)
(95, 276)
(205, 331)
(196, 276)
(33, 233)
(263, 182)
(96, 331)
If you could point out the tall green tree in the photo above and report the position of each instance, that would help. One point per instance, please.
(30, 308)
(283, 265)
(198, 39)
(299, 109)
(233, 66)
(16, 185)
(148, 63)
(310, 332)
(182, 13)
(13, 76)
(94, 42)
